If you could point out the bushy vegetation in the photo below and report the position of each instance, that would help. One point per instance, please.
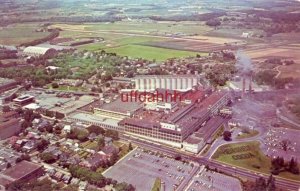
(294, 105)
(96, 178)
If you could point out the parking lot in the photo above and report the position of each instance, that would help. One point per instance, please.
(212, 181)
(141, 168)
(273, 143)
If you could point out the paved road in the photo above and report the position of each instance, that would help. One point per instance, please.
(186, 182)
(237, 171)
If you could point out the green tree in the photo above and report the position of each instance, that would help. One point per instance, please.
(227, 135)
(55, 85)
(271, 184)
(260, 184)
(130, 147)
(101, 143)
(48, 157)
(96, 129)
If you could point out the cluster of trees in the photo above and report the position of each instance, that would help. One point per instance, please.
(227, 135)
(80, 134)
(100, 131)
(8, 54)
(37, 75)
(265, 77)
(268, 77)
(96, 178)
(96, 129)
(279, 165)
(219, 74)
(262, 185)
(84, 19)
(28, 117)
(112, 133)
(23, 157)
(227, 56)
(42, 144)
(193, 68)
(48, 157)
(213, 22)
(280, 28)
(194, 17)
(276, 16)
(35, 185)
(294, 106)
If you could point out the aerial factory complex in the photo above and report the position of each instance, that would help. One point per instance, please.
(147, 95)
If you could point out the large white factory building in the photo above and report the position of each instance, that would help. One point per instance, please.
(171, 82)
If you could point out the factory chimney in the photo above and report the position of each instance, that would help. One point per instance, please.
(244, 86)
(163, 186)
(250, 84)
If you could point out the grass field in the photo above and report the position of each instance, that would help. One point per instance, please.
(259, 162)
(150, 53)
(156, 185)
(20, 33)
(128, 44)
(189, 28)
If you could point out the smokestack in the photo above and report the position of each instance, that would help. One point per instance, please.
(250, 84)
(244, 86)
(163, 186)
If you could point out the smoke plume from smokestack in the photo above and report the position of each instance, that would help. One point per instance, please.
(244, 63)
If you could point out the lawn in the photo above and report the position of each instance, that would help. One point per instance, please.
(113, 41)
(156, 186)
(20, 33)
(257, 160)
(149, 53)
(67, 88)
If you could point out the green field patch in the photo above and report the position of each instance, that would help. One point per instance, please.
(149, 53)
(231, 152)
(156, 185)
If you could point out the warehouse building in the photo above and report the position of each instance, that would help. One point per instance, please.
(36, 51)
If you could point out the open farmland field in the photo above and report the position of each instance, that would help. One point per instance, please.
(289, 52)
(150, 53)
(20, 33)
(114, 41)
(184, 28)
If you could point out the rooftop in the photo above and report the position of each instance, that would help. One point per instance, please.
(166, 76)
(21, 169)
(94, 119)
(36, 50)
(121, 107)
